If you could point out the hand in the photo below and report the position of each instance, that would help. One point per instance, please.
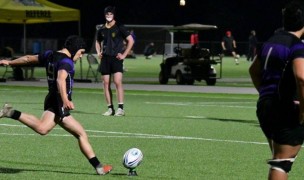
(69, 105)
(99, 55)
(4, 62)
(120, 56)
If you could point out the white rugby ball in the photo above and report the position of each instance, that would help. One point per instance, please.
(132, 158)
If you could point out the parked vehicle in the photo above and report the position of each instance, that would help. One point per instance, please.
(190, 63)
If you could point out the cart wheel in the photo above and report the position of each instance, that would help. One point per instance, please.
(210, 82)
(163, 78)
(179, 78)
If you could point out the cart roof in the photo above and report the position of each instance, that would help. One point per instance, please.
(191, 28)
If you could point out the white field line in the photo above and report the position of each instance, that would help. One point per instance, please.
(196, 117)
(188, 95)
(130, 135)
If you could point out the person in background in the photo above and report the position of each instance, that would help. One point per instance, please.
(252, 42)
(59, 67)
(132, 53)
(149, 50)
(229, 46)
(194, 39)
(111, 50)
(277, 74)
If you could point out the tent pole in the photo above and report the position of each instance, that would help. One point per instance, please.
(79, 28)
(80, 61)
(24, 37)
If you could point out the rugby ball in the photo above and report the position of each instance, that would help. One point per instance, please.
(132, 158)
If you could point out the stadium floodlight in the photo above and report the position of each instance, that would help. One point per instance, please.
(182, 2)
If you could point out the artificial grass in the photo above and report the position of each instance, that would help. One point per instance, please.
(182, 136)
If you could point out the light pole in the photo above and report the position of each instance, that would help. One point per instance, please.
(182, 2)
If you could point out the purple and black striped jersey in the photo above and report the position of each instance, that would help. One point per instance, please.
(276, 58)
(53, 62)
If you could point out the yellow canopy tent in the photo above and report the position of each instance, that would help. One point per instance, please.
(35, 11)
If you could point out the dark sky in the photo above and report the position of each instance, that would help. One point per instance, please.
(239, 16)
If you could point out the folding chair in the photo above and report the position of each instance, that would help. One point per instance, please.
(93, 66)
(8, 69)
(6, 53)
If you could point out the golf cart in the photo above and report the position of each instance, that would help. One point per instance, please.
(189, 63)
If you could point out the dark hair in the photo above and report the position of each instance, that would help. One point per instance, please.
(73, 43)
(293, 16)
(110, 9)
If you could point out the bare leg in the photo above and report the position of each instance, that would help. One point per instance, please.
(119, 87)
(234, 55)
(282, 152)
(42, 126)
(76, 129)
(236, 58)
(107, 88)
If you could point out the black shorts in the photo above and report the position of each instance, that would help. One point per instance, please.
(110, 65)
(228, 52)
(54, 104)
(280, 121)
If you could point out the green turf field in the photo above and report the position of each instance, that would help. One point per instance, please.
(150, 69)
(182, 136)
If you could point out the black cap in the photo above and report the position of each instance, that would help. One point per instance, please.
(110, 9)
(293, 16)
(73, 44)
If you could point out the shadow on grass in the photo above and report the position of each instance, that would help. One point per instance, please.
(8, 170)
(18, 102)
(234, 120)
(81, 112)
(5, 170)
(255, 122)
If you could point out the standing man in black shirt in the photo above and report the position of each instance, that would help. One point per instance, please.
(110, 49)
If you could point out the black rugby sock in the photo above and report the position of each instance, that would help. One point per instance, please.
(111, 106)
(16, 114)
(120, 106)
(95, 162)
